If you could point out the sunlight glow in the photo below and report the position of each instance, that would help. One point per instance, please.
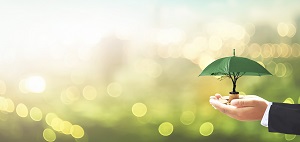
(35, 84)
(170, 36)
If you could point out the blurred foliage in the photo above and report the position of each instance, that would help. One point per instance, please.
(128, 71)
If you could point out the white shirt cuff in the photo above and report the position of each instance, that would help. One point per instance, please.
(265, 119)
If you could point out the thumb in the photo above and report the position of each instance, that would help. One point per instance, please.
(243, 102)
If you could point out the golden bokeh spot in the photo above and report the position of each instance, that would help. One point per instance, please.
(114, 89)
(77, 131)
(89, 92)
(280, 70)
(49, 135)
(3, 104)
(275, 53)
(187, 117)
(292, 30)
(285, 50)
(266, 51)
(65, 127)
(278, 52)
(22, 110)
(165, 128)
(10, 105)
(139, 109)
(36, 114)
(49, 117)
(206, 129)
(55, 124)
(192, 51)
(254, 50)
(282, 29)
(289, 137)
(289, 101)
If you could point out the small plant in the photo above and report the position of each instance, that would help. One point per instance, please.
(234, 67)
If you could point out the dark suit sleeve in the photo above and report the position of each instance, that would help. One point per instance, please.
(284, 118)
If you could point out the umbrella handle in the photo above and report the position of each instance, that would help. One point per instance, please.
(233, 52)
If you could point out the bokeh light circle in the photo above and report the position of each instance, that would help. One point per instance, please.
(11, 105)
(280, 70)
(36, 114)
(49, 135)
(187, 117)
(114, 89)
(3, 104)
(139, 109)
(89, 92)
(289, 137)
(77, 131)
(65, 127)
(49, 117)
(206, 129)
(22, 110)
(289, 101)
(282, 29)
(165, 128)
(56, 123)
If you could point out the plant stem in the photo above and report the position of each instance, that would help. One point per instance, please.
(234, 78)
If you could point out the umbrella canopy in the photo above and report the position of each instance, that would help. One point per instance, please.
(234, 66)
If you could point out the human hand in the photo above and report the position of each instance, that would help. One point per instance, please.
(248, 108)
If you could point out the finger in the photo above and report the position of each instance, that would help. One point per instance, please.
(218, 96)
(212, 97)
(243, 102)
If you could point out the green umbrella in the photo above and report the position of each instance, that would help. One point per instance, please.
(234, 67)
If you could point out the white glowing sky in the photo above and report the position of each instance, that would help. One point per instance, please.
(36, 23)
(34, 28)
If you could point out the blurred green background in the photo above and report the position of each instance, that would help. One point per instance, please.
(109, 71)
